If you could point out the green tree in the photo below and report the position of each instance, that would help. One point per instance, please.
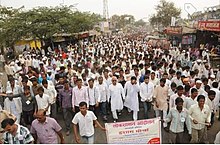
(140, 23)
(12, 26)
(164, 11)
(42, 23)
(119, 22)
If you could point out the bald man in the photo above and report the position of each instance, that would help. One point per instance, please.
(45, 129)
(116, 94)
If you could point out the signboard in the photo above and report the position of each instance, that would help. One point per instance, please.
(209, 25)
(173, 30)
(173, 21)
(134, 132)
(83, 35)
(104, 26)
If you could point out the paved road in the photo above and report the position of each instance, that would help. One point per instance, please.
(100, 136)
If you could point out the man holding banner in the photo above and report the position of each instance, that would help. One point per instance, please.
(179, 117)
(200, 115)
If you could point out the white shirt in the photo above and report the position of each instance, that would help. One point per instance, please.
(173, 98)
(177, 81)
(201, 91)
(108, 81)
(155, 81)
(103, 89)
(85, 123)
(211, 104)
(79, 95)
(185, 73)
(17, 88)
(199, 115)
(50, 83)
(51, 92)
(146, 91)
(94, 95)
(13, 108)
(210, 82)
(168, 83)
(217, 96)
(217, 138)
(218, 76)
(35, 63)
(43, 102)
(189, 102)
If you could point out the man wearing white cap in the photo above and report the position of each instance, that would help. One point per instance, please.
(211, 80)
(198, 85)
(207, 70)
(198, 65)
(205, 55)
(35, 61)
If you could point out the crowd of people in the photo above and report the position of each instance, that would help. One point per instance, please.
(104, 76)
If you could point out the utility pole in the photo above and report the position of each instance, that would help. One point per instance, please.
(105, 23)
(105, 10)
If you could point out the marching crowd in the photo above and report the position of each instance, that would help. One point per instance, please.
(103, 76)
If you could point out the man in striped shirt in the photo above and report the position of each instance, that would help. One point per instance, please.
(15, 133)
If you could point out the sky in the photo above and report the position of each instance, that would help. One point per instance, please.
(140, 9)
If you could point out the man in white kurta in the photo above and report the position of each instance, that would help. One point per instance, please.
(116, 93)
(131, 99)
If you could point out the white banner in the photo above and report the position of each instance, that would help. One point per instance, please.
(134, 132)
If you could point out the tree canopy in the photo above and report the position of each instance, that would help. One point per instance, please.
(122, 20)
(42, 23)
(164, 11)
(140, 23)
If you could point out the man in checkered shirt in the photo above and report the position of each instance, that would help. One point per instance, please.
(15, 133)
